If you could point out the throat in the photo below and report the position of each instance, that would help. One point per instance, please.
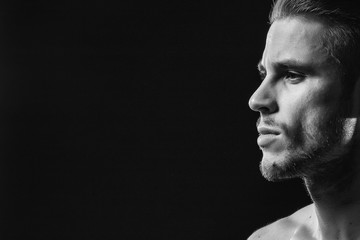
(334, 187)
(337, 180)
(336, 198)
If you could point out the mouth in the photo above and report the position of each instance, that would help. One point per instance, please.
(268, 131)
(267, 136)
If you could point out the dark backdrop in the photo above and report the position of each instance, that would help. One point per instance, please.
(130, 121)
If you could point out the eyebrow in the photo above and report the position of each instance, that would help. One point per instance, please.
(290, 64)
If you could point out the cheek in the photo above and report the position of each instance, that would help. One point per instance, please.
(306, 117)
(301, 115)
(292, 111)
(308, 102)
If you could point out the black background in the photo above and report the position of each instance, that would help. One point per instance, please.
(129, 120)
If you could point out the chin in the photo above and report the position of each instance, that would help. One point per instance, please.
(277, 167)
(302, 164)
(272, 167)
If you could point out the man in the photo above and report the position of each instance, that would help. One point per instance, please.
(309, 105)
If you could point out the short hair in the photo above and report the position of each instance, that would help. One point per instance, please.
(342, 34)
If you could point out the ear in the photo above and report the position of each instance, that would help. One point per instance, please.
(355, 115)
(356, 99)
(353, 119)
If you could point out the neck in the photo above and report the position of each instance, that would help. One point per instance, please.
(337, 199)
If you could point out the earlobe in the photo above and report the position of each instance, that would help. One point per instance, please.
(356, 99)
(355, 116)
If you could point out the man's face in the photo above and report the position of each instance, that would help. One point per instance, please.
(301, 124)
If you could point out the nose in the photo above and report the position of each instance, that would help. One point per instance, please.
(263, 99)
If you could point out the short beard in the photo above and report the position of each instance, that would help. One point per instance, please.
(314, 153)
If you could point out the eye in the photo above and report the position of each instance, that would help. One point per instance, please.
(262, 74)
(293, 77)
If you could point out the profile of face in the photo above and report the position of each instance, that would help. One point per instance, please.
(303, 123)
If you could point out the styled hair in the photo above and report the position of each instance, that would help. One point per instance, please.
(342, 33)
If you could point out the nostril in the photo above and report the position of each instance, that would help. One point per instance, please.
(264, 110)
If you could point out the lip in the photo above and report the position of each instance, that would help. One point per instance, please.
(267, 136)
(267, 131)
(265, 140)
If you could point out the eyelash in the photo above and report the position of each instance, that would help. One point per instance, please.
(262, 75)
(292, 77)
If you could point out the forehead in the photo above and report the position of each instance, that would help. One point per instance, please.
(296, 39)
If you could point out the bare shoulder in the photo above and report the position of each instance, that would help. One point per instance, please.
(285, 227)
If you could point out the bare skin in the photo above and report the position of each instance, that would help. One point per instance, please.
(301, 96)
(297, 226)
